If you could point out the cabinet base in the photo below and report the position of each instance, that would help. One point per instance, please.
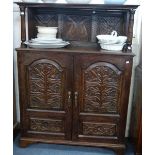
(118, 148)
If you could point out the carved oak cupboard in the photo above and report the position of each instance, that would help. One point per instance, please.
(76, 95)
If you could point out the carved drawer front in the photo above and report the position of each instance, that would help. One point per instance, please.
(46, 125)
(45, 81)
(101, 83)
(99, 129)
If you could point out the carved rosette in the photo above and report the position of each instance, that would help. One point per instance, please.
(102, 88)
(46, 125)
(45, 85)
(99, 129)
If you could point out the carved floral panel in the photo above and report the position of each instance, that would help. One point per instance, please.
(45, 85)
(46, 125)
(102, 88)
(99, 129)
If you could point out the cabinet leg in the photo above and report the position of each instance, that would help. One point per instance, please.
(120, 151)
(24, 143)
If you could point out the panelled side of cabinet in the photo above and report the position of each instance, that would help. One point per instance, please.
(136, 117)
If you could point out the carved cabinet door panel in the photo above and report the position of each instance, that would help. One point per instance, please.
(45, 86)
(100, 103)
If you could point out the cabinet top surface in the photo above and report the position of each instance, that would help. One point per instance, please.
(88, 6)
(76, 51)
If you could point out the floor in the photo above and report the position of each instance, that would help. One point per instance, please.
(52, 149)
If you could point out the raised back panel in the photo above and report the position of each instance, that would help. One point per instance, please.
(46, 20)
(77, 25)
(107, 24)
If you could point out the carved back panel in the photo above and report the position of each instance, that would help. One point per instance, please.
(83, 26)
(107, 24)
(46, 20)
(76, 27)
(102, 88)
(45, 79)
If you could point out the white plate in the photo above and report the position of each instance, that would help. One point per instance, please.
(47, 41)
(38, 40)
(37, 45)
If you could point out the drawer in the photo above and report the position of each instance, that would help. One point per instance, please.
(99, 128)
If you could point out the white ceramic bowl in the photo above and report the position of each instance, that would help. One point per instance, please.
(122, 39)
(112, 47)
(49, 30)
(45, 36)
(49, 1)
(107, 39)
(78, 1)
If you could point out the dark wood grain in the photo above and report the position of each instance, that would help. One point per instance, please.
(130, 28)
(39, 73)
(101, 93)
(23, 25)
(79, 6)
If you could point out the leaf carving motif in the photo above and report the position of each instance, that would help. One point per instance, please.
(45, 81)
(102, 88)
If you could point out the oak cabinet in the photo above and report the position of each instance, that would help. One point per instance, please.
(76, 95)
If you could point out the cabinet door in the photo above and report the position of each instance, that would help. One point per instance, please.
(101, 96)
(45, 81)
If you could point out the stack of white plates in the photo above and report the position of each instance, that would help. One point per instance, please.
(46, 38)
(47, 43)
(46, 32)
